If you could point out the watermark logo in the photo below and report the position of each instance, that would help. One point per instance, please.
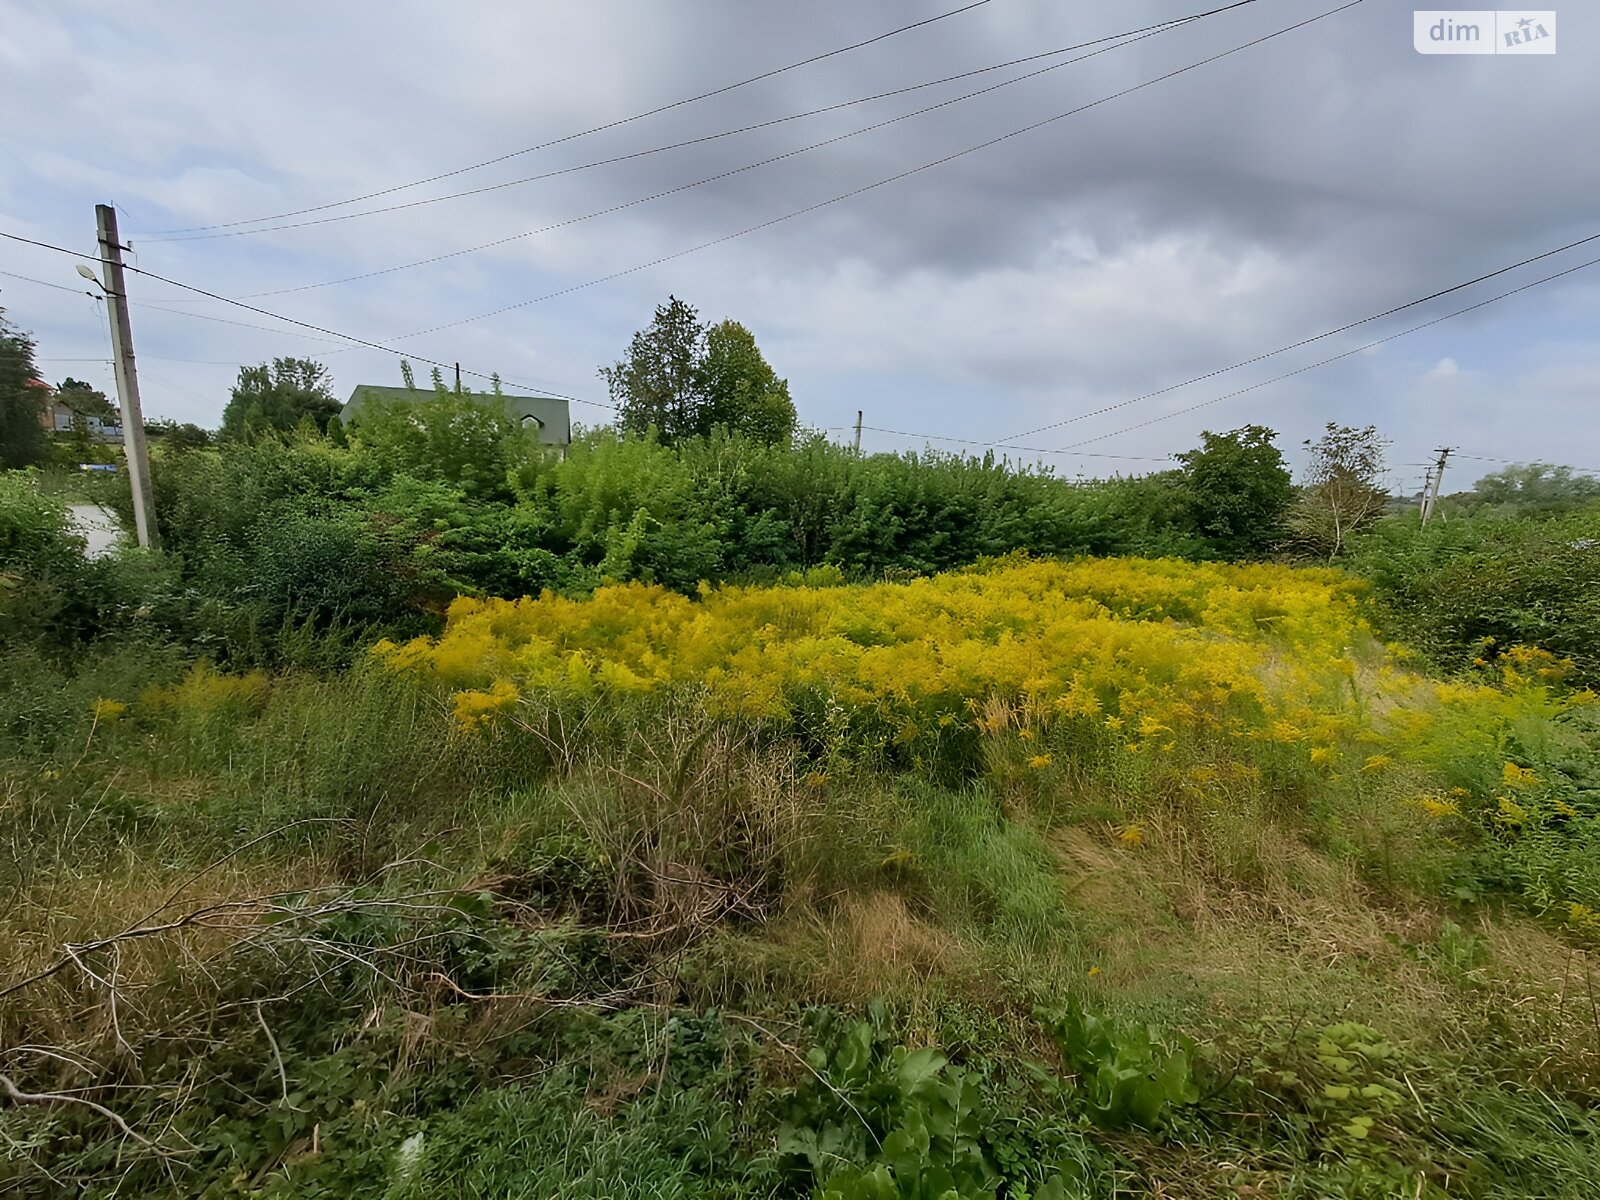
(1484, 31)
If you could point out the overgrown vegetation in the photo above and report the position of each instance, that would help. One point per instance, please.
(1039, 879)
(744, 817)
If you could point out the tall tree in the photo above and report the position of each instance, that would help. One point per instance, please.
(1239, 490)
(684, 379)
(275, 399)
(22, 398)
(660, 383)
(1344, 490)
(742, 391)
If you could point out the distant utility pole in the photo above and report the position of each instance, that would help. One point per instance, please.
(116, 289)
(458, 379)
(858, 431)
(1430, 502)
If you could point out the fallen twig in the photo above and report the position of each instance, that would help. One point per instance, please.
(17, 1096)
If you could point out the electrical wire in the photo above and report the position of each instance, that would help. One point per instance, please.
(1158, 27)
(935, 437)
(350, 338)
(1522, 462)
(728, 174)
(60, 287)
(1399, 308)
(488, 162)
(1336, 357)
(938, 162)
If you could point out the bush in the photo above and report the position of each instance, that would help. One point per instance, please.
(1462, 589)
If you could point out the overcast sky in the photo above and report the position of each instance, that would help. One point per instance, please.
(1297, 185)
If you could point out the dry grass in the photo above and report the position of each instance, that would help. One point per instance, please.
(1312, 941)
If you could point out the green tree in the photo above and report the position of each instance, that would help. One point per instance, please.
(461, 438)
(684, 379)
(275, 399)
(1239, 490)
(1535, 487)
(661, 383)
(1344, 491)
(22, 397)
(176, 436)
(742, 392)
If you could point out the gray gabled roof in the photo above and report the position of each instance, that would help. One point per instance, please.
(551, 415)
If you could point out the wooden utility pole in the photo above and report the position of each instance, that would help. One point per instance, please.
(1431, 501)
(858, 431)
(458, 379)
(144, 510)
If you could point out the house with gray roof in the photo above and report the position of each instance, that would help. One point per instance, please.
(547, 414)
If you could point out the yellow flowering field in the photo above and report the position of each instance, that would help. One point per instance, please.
(1140, 678)
(1144, 648)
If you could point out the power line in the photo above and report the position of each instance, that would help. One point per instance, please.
(1522, 462)
(177, 312)
(1335, 358)
(60, 287)
(1158, 27)
(180, 312)
(1307, 341)
(938, 162)
(351, 338)
(805, 62)
(1128, 40)
(935, 437)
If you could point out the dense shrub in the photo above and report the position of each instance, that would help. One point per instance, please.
(1460, 589)
(50, 593)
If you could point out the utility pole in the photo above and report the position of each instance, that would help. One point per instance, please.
(858, 431)
(1432, 501)
(458, 379)
(116, 289)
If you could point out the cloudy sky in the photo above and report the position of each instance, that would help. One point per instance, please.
(1287, 189)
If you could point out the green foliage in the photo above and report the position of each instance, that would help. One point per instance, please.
(1344, 491)
(742, 392)
(878, 1121)
(276, 399)
(1359, 1116)
(1533, 489)
(658, 385)
(174, 437)
(465, 440)
(1239, 490)
(49, 592)
(1457, 589)
(684, 380)
(22, 438)
(1130, 1075)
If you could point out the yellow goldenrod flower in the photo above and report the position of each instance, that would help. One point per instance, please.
(106, 711)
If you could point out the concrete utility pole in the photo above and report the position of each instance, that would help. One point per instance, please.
(1431, 501)
(858, 431)
(144, 509)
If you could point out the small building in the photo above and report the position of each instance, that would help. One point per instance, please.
(60, 416)
(547, 414)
